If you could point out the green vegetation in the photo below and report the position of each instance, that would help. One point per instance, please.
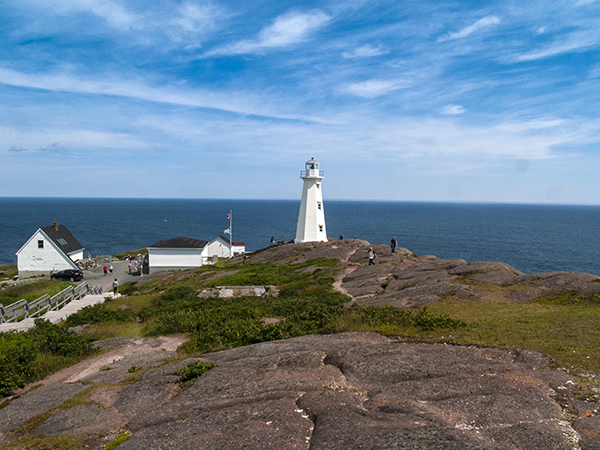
(32, 291)
(8, 272)
(122, 437)
(194, 370)
(134, 253)
(31, 355)
(306, 304)
(564, 327)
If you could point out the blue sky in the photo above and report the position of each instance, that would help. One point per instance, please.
(399, 100)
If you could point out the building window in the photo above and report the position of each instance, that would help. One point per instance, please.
(319, 205)
(40, 244)
(318, 185)
(320, 228)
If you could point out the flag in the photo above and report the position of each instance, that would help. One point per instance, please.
(229, 216)
(227, 231)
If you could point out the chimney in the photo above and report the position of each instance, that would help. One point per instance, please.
(56, 226)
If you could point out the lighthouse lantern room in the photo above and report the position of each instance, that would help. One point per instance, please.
(311, 219)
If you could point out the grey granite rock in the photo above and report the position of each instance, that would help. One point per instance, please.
(34, 403)
(80, 420)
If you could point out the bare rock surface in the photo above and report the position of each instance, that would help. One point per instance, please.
(80, 420)
(362, 391)
(344, 391)
(38, 401)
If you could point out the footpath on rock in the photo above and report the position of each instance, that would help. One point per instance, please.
(338, 391)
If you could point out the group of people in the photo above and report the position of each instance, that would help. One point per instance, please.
(373, 255)
(108, 269)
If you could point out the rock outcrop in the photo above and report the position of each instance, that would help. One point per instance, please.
(403, 279)
(346, 391)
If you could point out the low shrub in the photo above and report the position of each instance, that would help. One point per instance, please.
(194, 370)
(98, 313)
(20, 353)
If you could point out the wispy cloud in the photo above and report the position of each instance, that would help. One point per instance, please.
(112, 12)
(453, 109)
(17, 149)
(479, 25)
(375, 88)
(575, 42)
(286, 30)
(365, 51)
(237, 102)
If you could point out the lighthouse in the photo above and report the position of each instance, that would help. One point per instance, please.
(311, 219)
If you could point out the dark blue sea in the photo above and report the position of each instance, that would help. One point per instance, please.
(531, 238)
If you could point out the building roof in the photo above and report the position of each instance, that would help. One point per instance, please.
(63, 238)
(238, 243)
(180, 242)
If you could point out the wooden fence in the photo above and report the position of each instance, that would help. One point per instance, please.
(22, 309)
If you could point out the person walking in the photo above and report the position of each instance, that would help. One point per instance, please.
(115, 286)
(110, 269)
(372, 256)
(394, 244)
(105, 270)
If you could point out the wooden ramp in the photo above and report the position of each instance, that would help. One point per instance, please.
(60, 315)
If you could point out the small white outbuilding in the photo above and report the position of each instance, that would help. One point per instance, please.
(49, 249)
(221, 248)
(177, 254)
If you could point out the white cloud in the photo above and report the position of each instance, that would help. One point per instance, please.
(578, 42)
(136, 88)
(375, 88)
(480, 24)
(453, 109)
(287, 30)
(365, 51)
(17, 149)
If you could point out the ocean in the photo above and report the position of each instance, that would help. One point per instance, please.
(531, 238)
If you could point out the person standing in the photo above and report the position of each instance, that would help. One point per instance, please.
(273, 241)
(372, 256)
(110, 269)
(394, 244)
(105, 270)
(115, 286)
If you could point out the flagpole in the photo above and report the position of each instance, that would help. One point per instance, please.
(230, 234)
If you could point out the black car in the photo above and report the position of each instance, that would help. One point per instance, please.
(69, 274)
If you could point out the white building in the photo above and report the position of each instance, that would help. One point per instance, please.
(177, 254)
(50, 249)
(311, 219)
(220, 247)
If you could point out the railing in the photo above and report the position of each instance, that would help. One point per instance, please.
(23, 309)
(312, 173)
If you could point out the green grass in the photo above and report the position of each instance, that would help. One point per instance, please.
(567, 332)
(8, 272)
(32, 291)
(122, 437)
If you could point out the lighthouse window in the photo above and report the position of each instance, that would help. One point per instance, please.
(40, 244)
(321, 228)
(319, 205)
(318, 185)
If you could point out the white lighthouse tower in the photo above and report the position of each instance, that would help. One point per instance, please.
(311, 219)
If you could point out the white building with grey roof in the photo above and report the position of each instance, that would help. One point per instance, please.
(49, 249)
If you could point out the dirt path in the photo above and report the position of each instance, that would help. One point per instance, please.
(337, 284)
